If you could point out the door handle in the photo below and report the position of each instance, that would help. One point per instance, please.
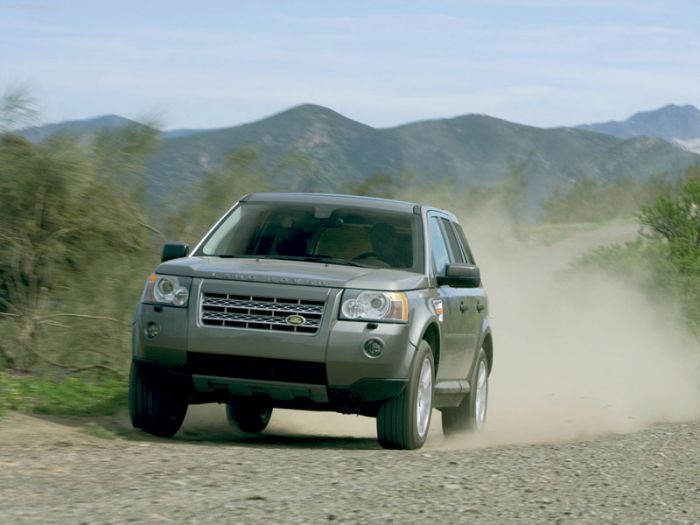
(463, 307)
(480, 307)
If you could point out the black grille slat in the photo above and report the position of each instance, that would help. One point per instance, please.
(260, 368)
(260, 313)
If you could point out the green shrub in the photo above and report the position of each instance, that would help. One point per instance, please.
(71, 396)
(665, 262)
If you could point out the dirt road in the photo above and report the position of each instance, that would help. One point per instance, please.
(51, 473)
(594, 418)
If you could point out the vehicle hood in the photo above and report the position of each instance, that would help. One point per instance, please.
(300, 273)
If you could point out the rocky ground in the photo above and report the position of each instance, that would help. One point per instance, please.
(60, 471)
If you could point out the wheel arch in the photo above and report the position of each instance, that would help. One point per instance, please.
(431, 334)
(487, 345)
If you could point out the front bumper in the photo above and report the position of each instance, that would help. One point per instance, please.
(361, 397)
(326, 370)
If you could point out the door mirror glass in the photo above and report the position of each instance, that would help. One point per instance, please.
(461, 276)
(174, 251)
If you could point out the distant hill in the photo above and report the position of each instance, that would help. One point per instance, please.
(86, 127)
(679, 124)
(76, 127)
(470, 150)
(337, 145)
(179, 133)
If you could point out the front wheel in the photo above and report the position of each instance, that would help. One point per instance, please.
(248, 416)
(470, 415)
(154, 407)
(403, 422)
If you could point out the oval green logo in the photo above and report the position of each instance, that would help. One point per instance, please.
(295, 320)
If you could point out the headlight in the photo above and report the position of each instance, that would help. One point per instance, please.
(165, 289)
(374, 306)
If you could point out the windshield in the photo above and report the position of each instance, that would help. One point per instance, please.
(327, 234)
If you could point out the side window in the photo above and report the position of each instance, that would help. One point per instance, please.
(440, 255)
(455, 248)
(465, 245)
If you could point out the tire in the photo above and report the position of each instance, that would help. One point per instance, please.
(153, 407)
(470, 415)
(403, 423)
(248, 416)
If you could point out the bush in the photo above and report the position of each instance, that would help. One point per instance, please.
(665, 261)
(71, 396)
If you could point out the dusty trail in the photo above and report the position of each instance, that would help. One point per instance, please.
(581, 354)
(590, 377)
(60, 475)
(576, 356)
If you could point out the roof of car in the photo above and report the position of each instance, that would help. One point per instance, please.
(335, 199)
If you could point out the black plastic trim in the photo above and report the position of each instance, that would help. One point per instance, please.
(266, 369)
(366, 391)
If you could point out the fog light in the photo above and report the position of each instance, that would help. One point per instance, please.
(152, 330)
(373, 348)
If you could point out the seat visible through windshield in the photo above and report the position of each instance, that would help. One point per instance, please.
(366, 237)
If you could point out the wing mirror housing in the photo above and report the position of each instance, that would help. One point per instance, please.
(461, 276)
(174, 251)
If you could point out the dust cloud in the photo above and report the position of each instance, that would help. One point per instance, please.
(576, 355)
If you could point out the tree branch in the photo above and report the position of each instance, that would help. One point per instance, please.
(11, 306)
(95, 367)
(46, 318)
(151, 228)
(54, 323)
(11, 361)
(74, 369)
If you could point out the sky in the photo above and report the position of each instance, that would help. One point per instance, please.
(207, 63)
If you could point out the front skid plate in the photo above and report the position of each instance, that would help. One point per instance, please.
(248, 387)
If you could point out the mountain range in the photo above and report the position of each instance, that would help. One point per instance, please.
(469, 150)
(678, 124)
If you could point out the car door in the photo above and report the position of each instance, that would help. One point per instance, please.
(474, 298)
(455, 336)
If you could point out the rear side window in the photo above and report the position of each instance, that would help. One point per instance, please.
(438, 246)
(455, 248)
(463, 242)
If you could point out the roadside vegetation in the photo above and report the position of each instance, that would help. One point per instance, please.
(80, 236)
(71, 396)
(77, 244)
(665, 259)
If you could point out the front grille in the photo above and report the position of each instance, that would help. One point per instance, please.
(261, 313)
(261, 368)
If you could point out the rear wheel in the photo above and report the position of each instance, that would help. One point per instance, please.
(403, 422)
(154, 406)
(248, 416)
(470, 415)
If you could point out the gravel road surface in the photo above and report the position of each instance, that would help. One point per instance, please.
(53, 472)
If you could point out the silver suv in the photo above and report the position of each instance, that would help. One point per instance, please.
(318, 302)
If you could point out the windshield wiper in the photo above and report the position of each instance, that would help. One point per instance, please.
(325, 259)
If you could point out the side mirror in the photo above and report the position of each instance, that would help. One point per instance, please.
(174, 251)
(461, 276)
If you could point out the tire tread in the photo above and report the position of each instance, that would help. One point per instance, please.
(152, 407)
(395, 416)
